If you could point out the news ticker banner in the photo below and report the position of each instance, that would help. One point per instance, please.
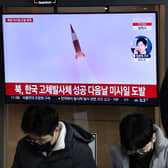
(88, 90)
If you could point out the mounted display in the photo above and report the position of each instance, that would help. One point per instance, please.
(102, 58)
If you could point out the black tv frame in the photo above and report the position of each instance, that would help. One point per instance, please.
(79, 100)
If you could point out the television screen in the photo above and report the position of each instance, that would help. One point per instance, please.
(99, 58)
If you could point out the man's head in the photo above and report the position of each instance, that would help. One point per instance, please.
(137, 134)
(141, 45)
(163, 97)
(40, 123)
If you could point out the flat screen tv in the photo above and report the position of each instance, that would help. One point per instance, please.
(95, 58)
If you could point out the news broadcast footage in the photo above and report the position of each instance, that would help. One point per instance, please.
(81, 58)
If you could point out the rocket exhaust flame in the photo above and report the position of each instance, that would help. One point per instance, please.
(79, 53)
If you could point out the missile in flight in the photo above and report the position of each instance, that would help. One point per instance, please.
(79, 53)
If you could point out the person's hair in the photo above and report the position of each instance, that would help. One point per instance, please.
(39, 120)
(141, 40)
(136, 131)
(163, 103)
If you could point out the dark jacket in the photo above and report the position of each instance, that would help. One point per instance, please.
(77, 153)
(163, 102)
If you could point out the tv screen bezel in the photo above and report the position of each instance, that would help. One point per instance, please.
(152, 103)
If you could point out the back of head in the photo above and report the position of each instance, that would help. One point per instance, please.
(163, 102)
(136, 131)
(39, 120)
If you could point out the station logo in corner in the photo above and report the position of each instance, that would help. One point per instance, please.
(19, 20)
(141, 48)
